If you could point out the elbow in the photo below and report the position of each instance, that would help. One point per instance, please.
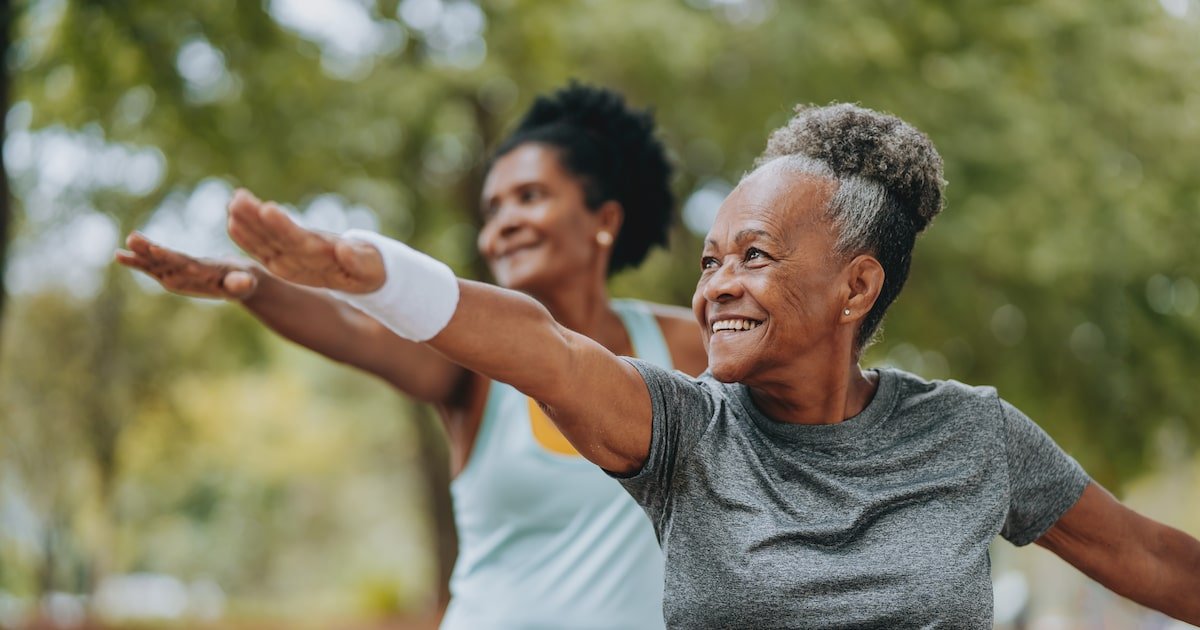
(562, 356)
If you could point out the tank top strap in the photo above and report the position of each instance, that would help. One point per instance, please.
(644, 332)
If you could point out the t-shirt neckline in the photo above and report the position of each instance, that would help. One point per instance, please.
(850, 430)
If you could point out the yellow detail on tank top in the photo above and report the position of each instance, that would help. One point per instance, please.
(546, 433)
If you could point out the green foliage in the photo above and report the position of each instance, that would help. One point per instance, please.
(1062, 270)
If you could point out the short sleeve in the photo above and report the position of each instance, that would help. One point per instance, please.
(682, 407)
(1044, 482)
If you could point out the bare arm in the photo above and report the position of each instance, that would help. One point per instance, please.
(599, 401)
(1136, 557)
(310, 318)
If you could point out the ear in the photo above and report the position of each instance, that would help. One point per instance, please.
(610, 216)
(864, 281)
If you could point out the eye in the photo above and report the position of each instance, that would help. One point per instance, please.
(754, 254)
(530, 195)
(708, 262)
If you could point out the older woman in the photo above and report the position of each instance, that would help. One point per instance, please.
(789, 487)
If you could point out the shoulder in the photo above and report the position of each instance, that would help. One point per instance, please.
(682, 334)
(673, 385)
(942, 397)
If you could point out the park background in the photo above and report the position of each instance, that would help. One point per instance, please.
(166, 461)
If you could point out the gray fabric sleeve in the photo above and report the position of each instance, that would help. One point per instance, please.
(1044, 482)
(682, 408)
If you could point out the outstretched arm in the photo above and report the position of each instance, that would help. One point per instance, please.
(599, 401)
(1146, 561)
(310, 318)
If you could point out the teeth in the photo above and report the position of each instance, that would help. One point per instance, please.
(735, 324)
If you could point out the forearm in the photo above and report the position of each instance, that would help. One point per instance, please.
(1153, 564)
(334, 329)
(1171, 580)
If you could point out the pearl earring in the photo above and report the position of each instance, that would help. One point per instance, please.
(845, 311)
(604, 239)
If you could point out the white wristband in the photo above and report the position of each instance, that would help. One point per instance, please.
(418, 297)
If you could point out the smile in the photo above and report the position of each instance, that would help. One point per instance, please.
(735, 325)
(516, 250)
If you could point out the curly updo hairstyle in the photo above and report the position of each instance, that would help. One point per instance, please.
(612, 150)
(889, 178)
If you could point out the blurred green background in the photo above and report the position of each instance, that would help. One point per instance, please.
(245, 481)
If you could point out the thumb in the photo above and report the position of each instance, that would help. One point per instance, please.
(239, 284)
(362, 262)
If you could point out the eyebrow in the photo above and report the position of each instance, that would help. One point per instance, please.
(745, 235)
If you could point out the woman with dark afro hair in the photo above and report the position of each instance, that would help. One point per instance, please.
(578, 191)
(789, 486)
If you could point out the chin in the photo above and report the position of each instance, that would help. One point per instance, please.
(513, 277)
(725, 371)
(525, 275)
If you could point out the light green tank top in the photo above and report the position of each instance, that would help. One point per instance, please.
(547, 540)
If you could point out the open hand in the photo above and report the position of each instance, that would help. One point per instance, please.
(182, 274)
(300, 255)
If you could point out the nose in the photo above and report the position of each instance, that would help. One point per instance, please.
(723, 284)
(503, 223)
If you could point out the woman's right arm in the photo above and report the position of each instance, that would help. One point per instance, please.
(305, 316)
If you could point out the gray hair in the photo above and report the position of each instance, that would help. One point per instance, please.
(889, 186)
(856, 206)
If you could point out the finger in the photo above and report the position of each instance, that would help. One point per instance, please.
(168, 257)
(137, 242)
(250, 241)
(138, 263)
(285, 234)
(125, 257)
(245, 210)
(245, 216)
(239, 284)
(155, 254)
(245, 195)
(131, 260)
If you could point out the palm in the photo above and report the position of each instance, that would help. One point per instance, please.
(300, 255)
(182, 274)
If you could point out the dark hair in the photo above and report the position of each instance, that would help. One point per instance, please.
(612, 150)
(889, 179)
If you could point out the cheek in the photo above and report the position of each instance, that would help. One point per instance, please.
(483, 242)
(699, 306)
(796, 304)
(811, 304)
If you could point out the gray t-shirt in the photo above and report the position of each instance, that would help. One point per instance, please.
(880, 521)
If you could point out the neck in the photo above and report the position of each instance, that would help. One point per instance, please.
(582, 306)
(812, 393)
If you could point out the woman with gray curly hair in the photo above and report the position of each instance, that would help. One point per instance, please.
(788, 486)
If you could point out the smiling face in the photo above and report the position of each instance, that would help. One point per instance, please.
(770, 291)
(537, 228)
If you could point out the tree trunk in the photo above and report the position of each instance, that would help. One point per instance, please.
(6, 15)
(435, 466)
